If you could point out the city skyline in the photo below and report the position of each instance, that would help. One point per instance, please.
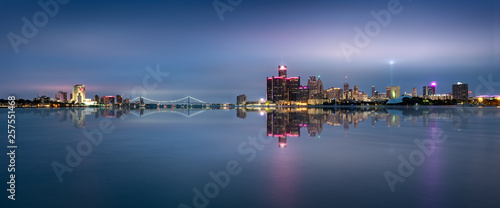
(234, 54)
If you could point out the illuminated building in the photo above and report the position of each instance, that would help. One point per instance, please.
(303, 93)
(89, 102)
(414, 92)
(43, 99)
(433, 86)
(78, 93)
(119, 99)
(362, 96)
(334, 93)
(282, 71)
(241, 99)
(393, 92)
(62, 96)
(315, 86)
(355, 93)
(427, 91)
(460, 91)
(107, 100)
(346, 91)
(282, 88)
(292, 88)
(441, 97)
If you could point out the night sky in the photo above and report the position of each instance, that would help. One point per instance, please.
(108, 45)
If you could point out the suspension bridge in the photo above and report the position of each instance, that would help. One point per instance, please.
(184, 112)
(185, 101)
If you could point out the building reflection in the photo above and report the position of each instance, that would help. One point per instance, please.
(288, 122)
(78, 115)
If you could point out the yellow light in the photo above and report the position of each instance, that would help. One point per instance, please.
(480, 99)
(498, 98)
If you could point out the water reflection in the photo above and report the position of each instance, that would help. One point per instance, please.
(287, 122)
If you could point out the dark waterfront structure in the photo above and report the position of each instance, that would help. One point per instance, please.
(460, 91)
(241, 99)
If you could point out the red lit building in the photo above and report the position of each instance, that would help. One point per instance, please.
(282, 88)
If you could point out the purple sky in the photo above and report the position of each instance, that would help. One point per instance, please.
(107, 46)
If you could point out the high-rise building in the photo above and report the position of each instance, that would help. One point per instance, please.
(315, 86)
(62, 96)
(355, 93)
(97, 100)
(282, 71)
(428, 91)
(312, 85)
(108, 100)
(303, 93)
(119, 99)
(282, 88)
(241, 99)
(373, 91)
(393, 92)
(362, 96)
(346, 91)
(414, 92)
(433, 86)
(292, 88)
(460, 91)
(78, 93)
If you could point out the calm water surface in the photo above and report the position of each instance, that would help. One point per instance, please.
(279, 158)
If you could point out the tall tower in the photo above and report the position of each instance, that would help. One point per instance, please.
(312, 85)
(433, 86)
(414, 92)
(78, 93)
(282, 71)
(346, 89)
(355, 92)
(373, 90)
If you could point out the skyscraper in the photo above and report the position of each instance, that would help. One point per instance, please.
(312, 85)
(303, 93)
(78, 93)
(427, 92)
(119, 99)
(393, 92)
(282, 88)
(373, 90)
(433, 86)
(241, 99)
(292, 88)
(346, 91)
(62, 96)
(282, 71)
(355, 93)
(414, 92)
(460, 91)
